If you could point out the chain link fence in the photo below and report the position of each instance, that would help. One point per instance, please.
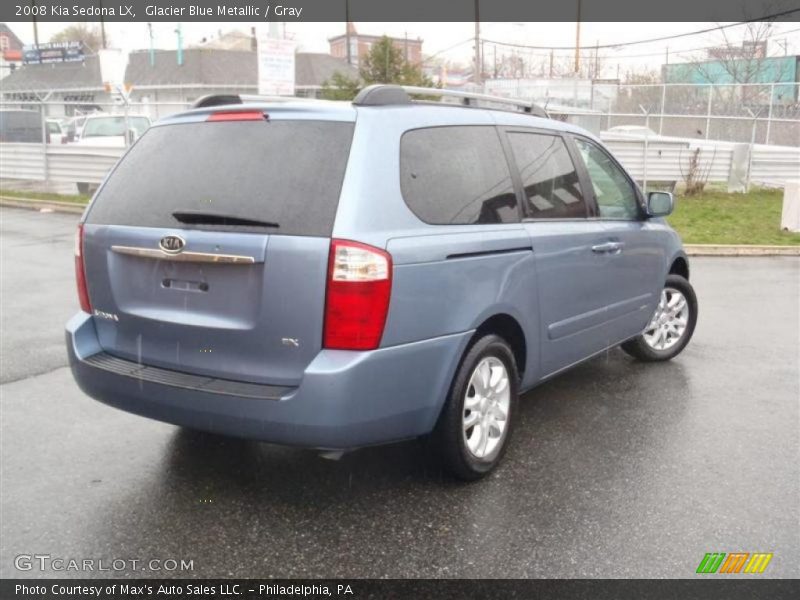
(765, 118)
(746, 113)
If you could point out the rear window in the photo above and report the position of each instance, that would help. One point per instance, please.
(284, 172)
(457, 176)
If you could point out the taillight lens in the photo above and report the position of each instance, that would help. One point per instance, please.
(357, 301)
(237, 115)
(80, 272)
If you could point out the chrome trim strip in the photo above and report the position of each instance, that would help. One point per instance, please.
(197, 257)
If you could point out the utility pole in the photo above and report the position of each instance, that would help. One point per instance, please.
(347, 31)
(578, 41)
(551, 64)
(102, 26)
(35, 25)
(666, 57)
(477, 79)
(596, 59)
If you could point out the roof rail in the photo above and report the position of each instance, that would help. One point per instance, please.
(384, 95)
(223, 99)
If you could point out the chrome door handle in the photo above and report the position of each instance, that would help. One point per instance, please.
(608, 248)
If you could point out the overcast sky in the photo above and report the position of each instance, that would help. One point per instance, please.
(439, 37)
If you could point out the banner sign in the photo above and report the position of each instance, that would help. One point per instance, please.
(52, 52)
(275, 66)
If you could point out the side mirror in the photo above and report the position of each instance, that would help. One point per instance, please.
(659, 204)
(132, 135)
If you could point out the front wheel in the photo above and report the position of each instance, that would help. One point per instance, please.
(671, 326)
(476, 422)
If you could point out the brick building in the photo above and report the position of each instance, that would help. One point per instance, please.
(361, 44)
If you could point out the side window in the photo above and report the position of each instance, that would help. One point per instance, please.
(616, 198)
(552, 189)
(457, 176)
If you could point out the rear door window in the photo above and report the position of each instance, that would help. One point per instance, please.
(457, 176)
(284, 172)
(551, 185)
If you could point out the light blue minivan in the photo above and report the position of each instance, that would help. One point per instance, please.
(337, 275)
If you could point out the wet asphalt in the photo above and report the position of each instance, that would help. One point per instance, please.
(617, 468)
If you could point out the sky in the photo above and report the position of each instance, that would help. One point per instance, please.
(454, 40)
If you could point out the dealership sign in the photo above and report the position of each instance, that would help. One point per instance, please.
(275, 66)
(52, 52)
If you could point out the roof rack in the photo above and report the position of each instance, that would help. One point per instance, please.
(384, 95)
(223, 99)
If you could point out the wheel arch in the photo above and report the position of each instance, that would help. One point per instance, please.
(679, 266)
(508, 328)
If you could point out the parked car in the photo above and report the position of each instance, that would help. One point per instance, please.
(633, 130)
(55, 135)
(113, 131)
(20, 126)
(336, 275)
(110, 130)
(73, 127)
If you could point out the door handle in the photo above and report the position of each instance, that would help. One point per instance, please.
(608, 248)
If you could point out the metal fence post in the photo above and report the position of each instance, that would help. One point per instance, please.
(708, 110)
(750, 153)
(769, 114)
(663, 109)
(43, 116)
(646, 145)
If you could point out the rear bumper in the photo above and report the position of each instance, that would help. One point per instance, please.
(345, 400)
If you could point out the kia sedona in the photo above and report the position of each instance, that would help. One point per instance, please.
(337, 275)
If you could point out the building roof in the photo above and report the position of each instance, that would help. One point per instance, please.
(208, 66)
(201, 66)
(374, 38)
(204, 66)
(62, 76)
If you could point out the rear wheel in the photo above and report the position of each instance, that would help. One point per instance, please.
(671, 326)
(476, 423)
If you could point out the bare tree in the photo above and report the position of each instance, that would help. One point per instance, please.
(91, 37)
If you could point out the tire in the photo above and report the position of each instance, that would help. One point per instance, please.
(646, 345)
(466, 452)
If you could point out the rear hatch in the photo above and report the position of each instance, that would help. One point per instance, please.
(206, 250)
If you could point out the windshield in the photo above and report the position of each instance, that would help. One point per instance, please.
(106, 126)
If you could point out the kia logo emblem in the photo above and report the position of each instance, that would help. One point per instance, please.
(172, 244)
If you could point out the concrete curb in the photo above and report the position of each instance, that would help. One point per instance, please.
(47, 205)
(691, 249)
(740, 250)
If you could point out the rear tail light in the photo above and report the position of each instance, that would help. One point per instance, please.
(357, 300)
(80, 272)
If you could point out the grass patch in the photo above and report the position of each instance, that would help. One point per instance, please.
(717, 217)
(25, 195)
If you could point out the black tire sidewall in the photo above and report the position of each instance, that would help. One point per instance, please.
(455, 452)
(639, 348)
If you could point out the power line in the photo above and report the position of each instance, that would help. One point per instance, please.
(647, 41)
(607, 56)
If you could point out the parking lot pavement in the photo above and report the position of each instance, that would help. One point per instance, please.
(617, 469)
